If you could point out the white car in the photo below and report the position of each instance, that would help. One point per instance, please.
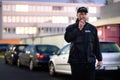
(110, 52)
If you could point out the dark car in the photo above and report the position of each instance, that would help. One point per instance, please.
(3, 48)
(12, 53)
(36, 56)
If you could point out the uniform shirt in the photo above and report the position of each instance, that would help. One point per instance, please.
(84, 44)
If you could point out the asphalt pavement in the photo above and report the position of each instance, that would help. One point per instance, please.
(12, 72)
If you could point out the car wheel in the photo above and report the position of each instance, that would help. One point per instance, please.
(13, 62)
(6, 62)
(31, 65)
(51, 69)
(18, 63)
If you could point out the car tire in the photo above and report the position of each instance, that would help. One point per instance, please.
(6, 62)
(52, 69)
(18, 63)
(31, 66)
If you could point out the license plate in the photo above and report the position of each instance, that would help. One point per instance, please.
(111, 67)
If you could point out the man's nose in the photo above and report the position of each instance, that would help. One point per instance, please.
(81, 17)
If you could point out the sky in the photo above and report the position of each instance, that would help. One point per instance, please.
(96, 1)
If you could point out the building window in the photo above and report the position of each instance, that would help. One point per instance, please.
(92, 19)
(26, 30)
(17, 19)
(26, 19)
(13, 30)
(9, 19)
(34, 8)
(69, 9)
(38, 31)
(58, 30)
(6, 30)
(72, 19)
(4, 18)
(21, 8)
(60, 19)
(7, 8)
(92, 10)
(22, 19)
(12, 7)
(13, 19)
(57, 8)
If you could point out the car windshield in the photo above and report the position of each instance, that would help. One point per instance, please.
(109, 47)
(20, 47)
(3, 46)
(46, 48)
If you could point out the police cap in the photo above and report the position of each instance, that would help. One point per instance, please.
(82, 9)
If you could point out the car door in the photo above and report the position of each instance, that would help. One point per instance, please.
(62, 60)
(27, 55)
(8, 53)
(111, 53)
(23, 56)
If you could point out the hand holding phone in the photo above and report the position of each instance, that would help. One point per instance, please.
(81, 24)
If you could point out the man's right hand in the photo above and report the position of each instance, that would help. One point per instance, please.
(99, 64)
(81, 24)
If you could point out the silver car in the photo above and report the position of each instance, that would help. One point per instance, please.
(111, 58)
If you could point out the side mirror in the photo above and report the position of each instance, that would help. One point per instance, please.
(58, 53)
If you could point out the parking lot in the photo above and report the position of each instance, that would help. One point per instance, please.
(10, 72)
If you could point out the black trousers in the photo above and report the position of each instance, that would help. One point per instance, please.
(83, 71)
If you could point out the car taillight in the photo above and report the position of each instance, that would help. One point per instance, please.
(39, 56)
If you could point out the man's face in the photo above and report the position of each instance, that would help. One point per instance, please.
(82, 15)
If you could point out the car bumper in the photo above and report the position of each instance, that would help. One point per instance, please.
(109, 68)
(41, 64)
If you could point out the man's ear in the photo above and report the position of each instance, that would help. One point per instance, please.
(77, 15)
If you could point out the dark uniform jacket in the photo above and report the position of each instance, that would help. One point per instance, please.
(84, 44)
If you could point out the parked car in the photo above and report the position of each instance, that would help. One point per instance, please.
(36, 56)
(12, 53)
(111, 59)
(3, 48)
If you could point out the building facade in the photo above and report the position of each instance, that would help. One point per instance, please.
(110, 11)
(22, 19)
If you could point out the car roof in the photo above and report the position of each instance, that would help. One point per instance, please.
(20, 44)
(100, 42)
(43, 44)
(106, 41)
(5, 44)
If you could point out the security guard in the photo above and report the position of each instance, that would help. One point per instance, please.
(84, 47)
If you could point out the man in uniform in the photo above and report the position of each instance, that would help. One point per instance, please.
(84, 48)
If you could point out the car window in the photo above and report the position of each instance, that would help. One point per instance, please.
(27, 50)
(19, 47)
(4, 46)
(10, 48)
(32, 50)
(109, 47)
(46, 49)
(65, 50)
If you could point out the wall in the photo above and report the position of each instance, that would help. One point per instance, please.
(0, 20)
(110, 11)
(110, 32)
(54, 39)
